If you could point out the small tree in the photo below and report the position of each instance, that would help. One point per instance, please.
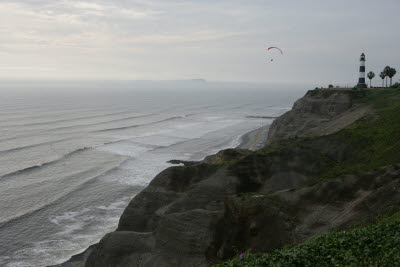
(330, 86)
(386, 70)
(370, 76)
(382, 75)
(390, 73)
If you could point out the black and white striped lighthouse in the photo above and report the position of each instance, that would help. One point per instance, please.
(361, 79)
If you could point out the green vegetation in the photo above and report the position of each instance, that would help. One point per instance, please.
(375, 139)
(371, 143)
(370, 76)
(388, 72)
(377, 244)
(382, 75)
(396, 85)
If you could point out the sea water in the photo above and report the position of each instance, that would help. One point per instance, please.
(70, 162)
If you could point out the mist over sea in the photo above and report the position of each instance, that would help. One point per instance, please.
(73, 155)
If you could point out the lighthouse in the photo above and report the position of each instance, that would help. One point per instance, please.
(361, 79)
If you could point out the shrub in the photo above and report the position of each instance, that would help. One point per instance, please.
(372, 245)
(396, 85)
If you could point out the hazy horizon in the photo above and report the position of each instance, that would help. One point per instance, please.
(182, 40)
(66, 88)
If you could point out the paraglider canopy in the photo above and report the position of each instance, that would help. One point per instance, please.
(274, 47)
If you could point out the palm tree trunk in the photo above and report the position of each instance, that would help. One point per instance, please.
(390, 81)
(369, 83)
(386, 81)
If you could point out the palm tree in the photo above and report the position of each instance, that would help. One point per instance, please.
(370, 76)
(382, 75)
(386, 70)
(390, 73)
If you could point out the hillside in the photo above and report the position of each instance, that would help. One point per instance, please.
(330, 163)
(376, 244)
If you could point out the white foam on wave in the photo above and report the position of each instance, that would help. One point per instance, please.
(113, 206)
(124, 149)
(140, 171)
(77, 231)
(67, 216)
(189, 141)
(212, 118)
(160, 138)
(40, 253)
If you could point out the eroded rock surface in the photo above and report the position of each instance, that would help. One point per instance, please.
(238, 199)
(264, 222)
(199, 215)
(319, 112)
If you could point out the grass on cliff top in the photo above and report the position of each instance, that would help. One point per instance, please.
(376, 244)
(375, 139)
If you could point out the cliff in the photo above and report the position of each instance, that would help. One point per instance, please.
(332, 162)
(319, 112)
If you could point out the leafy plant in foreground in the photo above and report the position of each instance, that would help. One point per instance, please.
(372, 245)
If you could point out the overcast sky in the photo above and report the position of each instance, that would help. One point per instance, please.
(218, 40)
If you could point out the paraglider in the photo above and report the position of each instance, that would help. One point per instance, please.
(274, 47)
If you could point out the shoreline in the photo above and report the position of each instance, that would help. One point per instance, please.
(252, 140)
(77, 260)
(255, 139)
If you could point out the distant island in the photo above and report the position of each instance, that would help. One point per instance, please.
(199, 80)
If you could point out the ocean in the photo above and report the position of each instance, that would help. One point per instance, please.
(70, 161)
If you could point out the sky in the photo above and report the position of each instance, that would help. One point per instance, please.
(218, 40)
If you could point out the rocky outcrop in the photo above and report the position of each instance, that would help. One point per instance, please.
(184, 162)
(319, 112)
(171, 222)
(203, 214)
(264, 222)
(236, 200)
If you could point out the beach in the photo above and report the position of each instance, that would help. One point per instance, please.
(255, 139)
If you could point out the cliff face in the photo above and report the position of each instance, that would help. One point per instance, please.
(238, 199)
(319, 112)
(264, 222)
